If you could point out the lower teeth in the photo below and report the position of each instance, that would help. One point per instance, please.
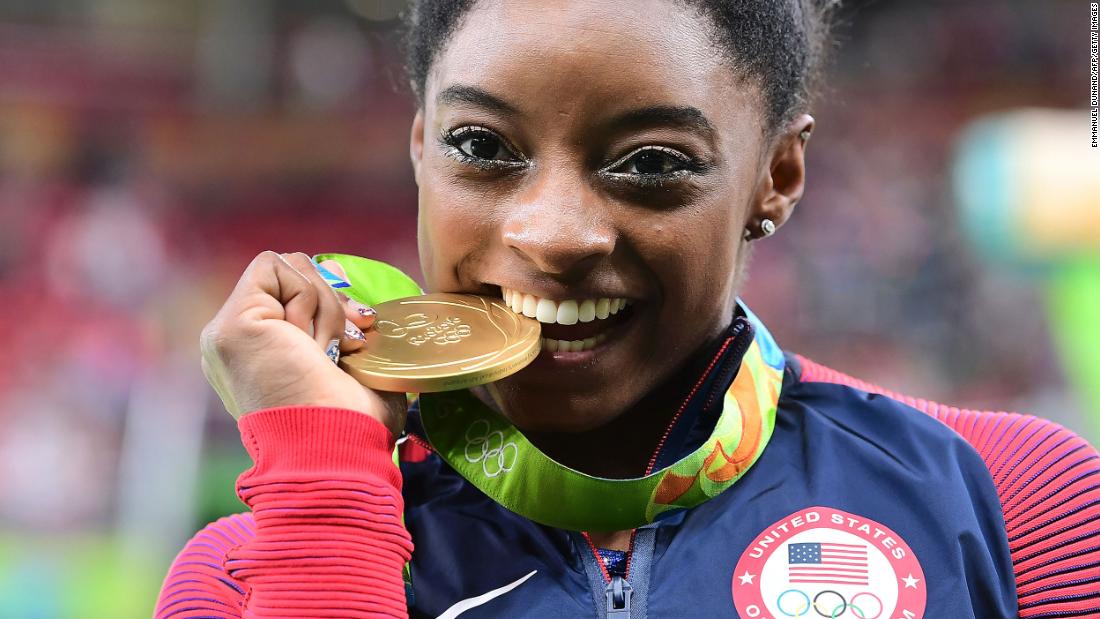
(572, 345)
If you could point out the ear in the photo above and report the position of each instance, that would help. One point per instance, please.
(416, 143)
(784, 178)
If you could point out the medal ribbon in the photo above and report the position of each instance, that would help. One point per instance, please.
(494, 456)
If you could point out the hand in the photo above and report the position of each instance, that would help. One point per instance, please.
(266, 346)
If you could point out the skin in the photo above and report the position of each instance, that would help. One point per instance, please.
(574, 220)
(556, 225)
(265, 347)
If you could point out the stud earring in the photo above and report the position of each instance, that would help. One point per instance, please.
(767, 226)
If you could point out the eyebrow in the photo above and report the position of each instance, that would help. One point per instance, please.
(471, 95)
(674, 116)
(677, 117)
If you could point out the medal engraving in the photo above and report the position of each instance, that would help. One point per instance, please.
(443, 342)
(420, 329)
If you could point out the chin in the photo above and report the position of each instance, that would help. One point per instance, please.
(534, 409)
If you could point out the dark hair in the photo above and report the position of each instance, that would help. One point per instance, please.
(778, 44)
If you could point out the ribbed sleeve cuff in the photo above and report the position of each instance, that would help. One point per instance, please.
(292, 441)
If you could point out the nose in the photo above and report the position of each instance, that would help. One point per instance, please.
(559, 226)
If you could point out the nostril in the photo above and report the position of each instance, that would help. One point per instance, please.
(561, 257)
(558, 241)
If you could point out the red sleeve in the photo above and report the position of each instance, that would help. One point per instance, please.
(324, 537)
(1048, 480)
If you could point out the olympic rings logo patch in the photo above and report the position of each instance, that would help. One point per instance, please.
(487, 446)
(829, 603)
(823, 562)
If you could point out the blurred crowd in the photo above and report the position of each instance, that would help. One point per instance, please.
(149, 149)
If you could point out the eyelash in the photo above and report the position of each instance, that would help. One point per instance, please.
(451, 139)
(689, 167)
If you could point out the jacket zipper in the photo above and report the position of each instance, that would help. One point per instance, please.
(740, 344)
(617, 589)
(618, 594)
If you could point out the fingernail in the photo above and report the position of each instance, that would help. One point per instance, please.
(363, 310)
(333, 351)
(352, 332)
(332, 279)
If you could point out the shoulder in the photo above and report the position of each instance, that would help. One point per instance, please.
(198, 581)
(837, 412)
(1046, 477)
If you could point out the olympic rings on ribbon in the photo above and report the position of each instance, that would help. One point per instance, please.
(487, 446)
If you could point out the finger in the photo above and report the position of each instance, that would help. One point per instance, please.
(336, 281)
(359, 314)
(339, 277)
(353, 339)
(332, 350)
(328, 318)
(272, 289)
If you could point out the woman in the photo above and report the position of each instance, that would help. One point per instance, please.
(665, 460)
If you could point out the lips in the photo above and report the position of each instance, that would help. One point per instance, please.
(570, 325)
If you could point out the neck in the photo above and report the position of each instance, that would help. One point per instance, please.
(622, 448)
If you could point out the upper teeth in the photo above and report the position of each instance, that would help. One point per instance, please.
(568, 312)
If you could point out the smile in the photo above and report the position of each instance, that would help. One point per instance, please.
(569, 325)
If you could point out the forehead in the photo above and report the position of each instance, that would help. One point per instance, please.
(589, 55)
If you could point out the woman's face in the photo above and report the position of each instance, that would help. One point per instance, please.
(581, 153)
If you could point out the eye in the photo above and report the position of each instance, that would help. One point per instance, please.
(480, 146)
(483, 146)
(652, 161)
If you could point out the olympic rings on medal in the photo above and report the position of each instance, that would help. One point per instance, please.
(802, 611)
(821, 604)
(487, 446)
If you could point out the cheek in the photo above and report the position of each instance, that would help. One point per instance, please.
(694, 255)
(453, 228)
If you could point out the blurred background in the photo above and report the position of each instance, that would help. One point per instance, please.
(149, 149)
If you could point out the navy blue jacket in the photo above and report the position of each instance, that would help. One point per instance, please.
(834, 446)
(864, 504)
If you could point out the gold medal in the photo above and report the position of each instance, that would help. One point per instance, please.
(443, 342)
